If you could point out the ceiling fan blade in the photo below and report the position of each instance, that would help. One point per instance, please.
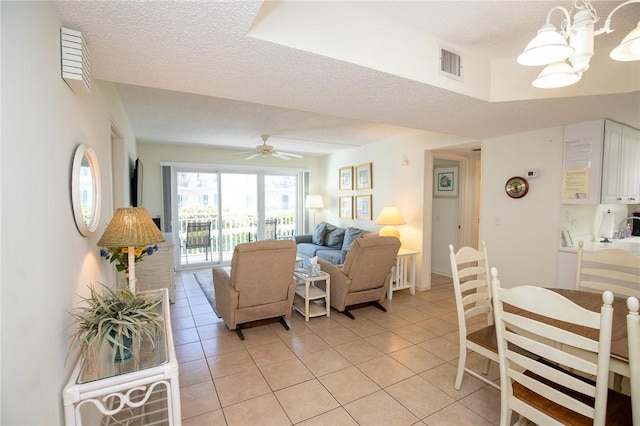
(280, 156)
(290, 154)
(253, 156)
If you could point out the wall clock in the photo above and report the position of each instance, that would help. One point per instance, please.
(516, 187)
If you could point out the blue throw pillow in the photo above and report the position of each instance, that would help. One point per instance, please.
(350, 235)
(319, 233)
(334, 238)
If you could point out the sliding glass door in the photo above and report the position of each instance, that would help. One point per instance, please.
(215, 210)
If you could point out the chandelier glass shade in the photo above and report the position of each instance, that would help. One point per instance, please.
(550, 47)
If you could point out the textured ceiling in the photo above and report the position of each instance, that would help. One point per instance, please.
(187, 72)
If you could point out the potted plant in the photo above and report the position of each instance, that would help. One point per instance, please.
(117, 316)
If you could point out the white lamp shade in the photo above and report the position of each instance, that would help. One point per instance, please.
(629, 47)
(314, 202)
(546, 48)
(390, 215)
(555, 75)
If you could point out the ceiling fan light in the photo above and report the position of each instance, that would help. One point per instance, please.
(629, 47)
(559, 74)
(546, 48)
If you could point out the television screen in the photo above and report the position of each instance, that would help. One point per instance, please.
(136, 184)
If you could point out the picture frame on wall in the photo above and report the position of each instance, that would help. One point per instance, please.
(364, 176)
(346, 178)
(445, 182)
(363, 207)
(346, 207)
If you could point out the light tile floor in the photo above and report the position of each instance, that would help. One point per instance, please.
(393, 368)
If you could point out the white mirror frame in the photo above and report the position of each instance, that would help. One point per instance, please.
(88, 224)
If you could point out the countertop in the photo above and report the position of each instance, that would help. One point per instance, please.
(631, 244)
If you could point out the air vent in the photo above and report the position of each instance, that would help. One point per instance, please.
(76, 71)
(451, 64)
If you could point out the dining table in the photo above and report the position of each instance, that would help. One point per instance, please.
(619, 363)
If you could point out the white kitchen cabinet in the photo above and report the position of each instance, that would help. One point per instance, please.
(621, 164)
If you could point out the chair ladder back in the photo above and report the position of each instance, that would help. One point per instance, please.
(609, 269)
(633, 336)
(469, 270)
(549, 380)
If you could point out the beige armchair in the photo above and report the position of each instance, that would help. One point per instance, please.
(365, 276)
(259, 287)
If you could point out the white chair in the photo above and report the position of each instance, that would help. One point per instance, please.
(610, 269)
(564, 380)
(633, 336)
(470, 271)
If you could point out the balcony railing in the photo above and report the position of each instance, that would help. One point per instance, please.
(235, 231)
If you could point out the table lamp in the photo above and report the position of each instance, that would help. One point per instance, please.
(131, 227)
(313, 202)
(390, 216)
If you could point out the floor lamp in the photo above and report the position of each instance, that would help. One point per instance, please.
(314, 202)
(131, 227)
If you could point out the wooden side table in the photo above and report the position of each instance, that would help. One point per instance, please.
(403, 274)
(307, 294)
(142, 390)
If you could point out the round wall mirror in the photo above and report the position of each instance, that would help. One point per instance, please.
(85, 190)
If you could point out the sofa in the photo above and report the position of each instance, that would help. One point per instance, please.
(328, 242)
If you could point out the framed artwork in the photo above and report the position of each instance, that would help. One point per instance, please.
(445, 182)
(346, 207)
(346, 178)
(363, 207)
(364, 176)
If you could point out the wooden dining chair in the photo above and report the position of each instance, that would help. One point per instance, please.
(564, 380)
(633, 336)
(610, 269)
(470, 272)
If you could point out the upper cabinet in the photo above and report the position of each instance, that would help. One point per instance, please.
(621, 164)
(601, 163)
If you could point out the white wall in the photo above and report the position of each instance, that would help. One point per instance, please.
(522, 234)
(46, 263)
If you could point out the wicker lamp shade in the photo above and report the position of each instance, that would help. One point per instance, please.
(131, 227)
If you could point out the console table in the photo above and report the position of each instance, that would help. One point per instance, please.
(141, 390)
(403, 274)
(307, 294)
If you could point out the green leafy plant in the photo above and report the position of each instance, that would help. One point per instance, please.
(108, 315)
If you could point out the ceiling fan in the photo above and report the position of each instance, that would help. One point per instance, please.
(265, 150)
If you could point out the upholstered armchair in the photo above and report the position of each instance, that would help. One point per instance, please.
(365, 276)
(259, 287)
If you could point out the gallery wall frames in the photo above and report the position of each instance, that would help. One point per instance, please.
(364, 176)
(346, 178)
(363, 207)
(346, 207)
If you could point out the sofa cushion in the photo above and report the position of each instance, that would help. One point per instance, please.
(319, 233)
(334, 238)
(350, 235)
(308, 249)
(330, 255)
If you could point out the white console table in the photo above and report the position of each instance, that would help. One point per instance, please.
(403, 274)
(139, 391)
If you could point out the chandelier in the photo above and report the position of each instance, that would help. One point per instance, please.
(550, 47)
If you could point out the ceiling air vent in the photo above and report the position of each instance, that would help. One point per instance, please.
(76, 71)
(451, 64)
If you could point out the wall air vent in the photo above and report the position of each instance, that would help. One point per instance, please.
(75, 67)
(450, 64)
